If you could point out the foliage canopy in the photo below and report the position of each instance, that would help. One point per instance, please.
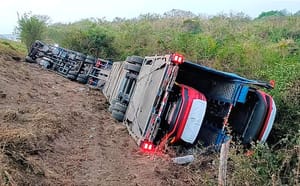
(31, 27)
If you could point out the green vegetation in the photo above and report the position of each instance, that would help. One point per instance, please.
(12, 48)
(273, 13)
(266, 48)
(31, 28)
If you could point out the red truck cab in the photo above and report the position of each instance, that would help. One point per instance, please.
(185, 116)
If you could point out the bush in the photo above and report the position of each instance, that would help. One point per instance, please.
(31, 28)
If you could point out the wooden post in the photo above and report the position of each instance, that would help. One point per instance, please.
(223, 163)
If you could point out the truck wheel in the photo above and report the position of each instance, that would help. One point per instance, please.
(120, 107)
(112, 103)
(135, 59)
(132, 67)
(80, 57)
(45, 64)
(90, 59)
(118, 115)
(71, 76)
(72, 72)
(29, 59)
(82, 78)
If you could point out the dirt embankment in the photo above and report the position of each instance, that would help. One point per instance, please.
(57, 132)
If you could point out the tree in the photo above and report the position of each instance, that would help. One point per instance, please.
(75, 39)
(192, 26)
(94, 40)
(297, 13)
(273, 13)
(100, 42)
(176, 13)
(31, 28)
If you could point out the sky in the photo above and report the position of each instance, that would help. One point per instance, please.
(66, 11)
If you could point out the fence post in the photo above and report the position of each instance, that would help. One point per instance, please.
(223, 163)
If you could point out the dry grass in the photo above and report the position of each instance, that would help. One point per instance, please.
(23, 135)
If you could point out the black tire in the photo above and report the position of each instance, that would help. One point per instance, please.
(112, 103)
(118, 115)
(90, 59)
(53, 66)
(81, 80)
(29, 59)
(120, 107)
(135, 59)
(71, 76)
(83, 76)
(45, 63)
(73, 72)
(132, 67)
(80, 57)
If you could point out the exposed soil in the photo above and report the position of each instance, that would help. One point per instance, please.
(57, 132)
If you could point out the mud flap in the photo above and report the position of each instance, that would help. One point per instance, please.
(212, 136)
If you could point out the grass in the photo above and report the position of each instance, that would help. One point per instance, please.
(12, 48)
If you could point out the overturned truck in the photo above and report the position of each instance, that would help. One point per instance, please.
(166, 100)
(71, 64)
